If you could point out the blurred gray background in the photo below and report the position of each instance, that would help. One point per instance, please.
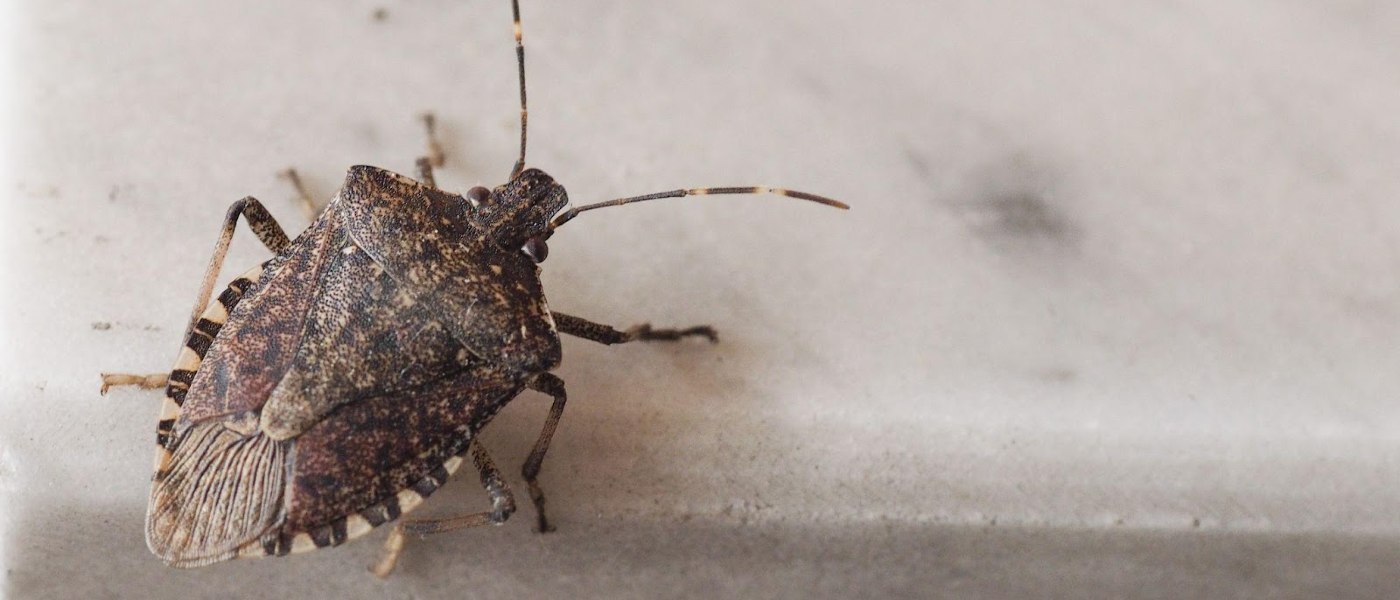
(1113, 314)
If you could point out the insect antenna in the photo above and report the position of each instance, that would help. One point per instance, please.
(565, 216)
(520, 62)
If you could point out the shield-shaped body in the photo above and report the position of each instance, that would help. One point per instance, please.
(334, 387)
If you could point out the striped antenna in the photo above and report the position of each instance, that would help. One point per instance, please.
(567, 215)
(520, 61)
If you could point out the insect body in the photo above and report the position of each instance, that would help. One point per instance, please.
(334, 387)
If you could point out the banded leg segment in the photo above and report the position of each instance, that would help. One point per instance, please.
(502, 506)
(261, 223)
(604, 334)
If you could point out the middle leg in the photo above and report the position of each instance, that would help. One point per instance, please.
(554, 386)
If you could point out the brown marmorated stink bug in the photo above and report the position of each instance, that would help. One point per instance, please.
(335, 386)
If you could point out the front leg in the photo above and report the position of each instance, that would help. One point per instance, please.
(604, 334)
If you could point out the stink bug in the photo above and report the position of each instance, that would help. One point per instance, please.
(332, 388)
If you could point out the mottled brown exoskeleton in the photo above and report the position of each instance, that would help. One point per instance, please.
(335, 386)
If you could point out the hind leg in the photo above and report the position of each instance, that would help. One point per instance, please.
(267, 230)
(502, 505)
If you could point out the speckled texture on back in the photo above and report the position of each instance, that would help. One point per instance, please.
(334, 392)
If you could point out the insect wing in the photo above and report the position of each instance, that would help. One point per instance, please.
(375, 459)
(236, 370)
(224, 487)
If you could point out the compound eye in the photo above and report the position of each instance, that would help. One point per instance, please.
(478, 195)
(536, 249)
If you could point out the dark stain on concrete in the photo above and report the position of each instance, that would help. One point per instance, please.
(1017, 204)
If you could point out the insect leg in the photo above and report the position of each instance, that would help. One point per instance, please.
(604, 334)
(502, 505)
(554, 386)
(267, 230)
(308, 206)
(435, 157)
(262, 224)
(146, 382)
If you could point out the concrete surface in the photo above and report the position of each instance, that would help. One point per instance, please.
(1114, 313)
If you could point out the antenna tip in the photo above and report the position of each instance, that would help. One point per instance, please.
(813, 198)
